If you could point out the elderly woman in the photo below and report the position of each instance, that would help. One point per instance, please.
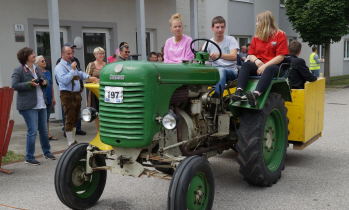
(29, 83)
(177, 48)
(93, 69)
(48, 91)
(267, 51)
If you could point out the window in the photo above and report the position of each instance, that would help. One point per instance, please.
(346, 49)
(42, 42)
(92, 38)
(243, 40)
(150, 41)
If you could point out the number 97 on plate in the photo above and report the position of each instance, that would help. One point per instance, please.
(113, 94)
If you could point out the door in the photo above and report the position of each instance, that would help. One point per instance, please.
(42, 42)
(93, 38)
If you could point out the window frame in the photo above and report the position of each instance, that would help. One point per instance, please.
(321, 51)
(346, 50)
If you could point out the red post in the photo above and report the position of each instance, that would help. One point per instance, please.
(6, 125)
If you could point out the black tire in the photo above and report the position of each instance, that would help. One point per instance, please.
(192, 173)
(59, 165)
(262, 142)
(71, 189)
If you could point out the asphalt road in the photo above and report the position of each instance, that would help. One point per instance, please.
(315, 178)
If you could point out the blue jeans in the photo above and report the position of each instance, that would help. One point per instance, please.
(316, 73)
(36, 119)
(224, 75)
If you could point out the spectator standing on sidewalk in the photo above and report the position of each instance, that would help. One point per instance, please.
(124, 52)
(68, 77)
(79, 131)
(314, 62)
(29, 83)
(113, 58)
(93, 69)
(243, 53)
(153, 57)
(48, 91)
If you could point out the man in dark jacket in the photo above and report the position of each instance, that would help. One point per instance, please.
(299, 73)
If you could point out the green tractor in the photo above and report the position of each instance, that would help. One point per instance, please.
(163, 116)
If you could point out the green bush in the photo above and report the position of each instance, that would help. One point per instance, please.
(12, 157)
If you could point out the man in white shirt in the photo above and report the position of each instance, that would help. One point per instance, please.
(229, 46)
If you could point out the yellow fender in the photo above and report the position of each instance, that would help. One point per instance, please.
(96, 141)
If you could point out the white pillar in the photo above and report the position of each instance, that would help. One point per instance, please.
(53, 17)
(141, 29)
(194, 19)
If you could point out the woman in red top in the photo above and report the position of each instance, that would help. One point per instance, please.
(267, 50)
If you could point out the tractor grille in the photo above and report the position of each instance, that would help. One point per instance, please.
(123, 122)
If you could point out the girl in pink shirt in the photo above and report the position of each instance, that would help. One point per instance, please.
(177, 48)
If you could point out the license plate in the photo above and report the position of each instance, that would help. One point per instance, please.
(113, 94)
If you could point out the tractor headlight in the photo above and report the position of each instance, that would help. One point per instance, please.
(89, 114)
(169, 121)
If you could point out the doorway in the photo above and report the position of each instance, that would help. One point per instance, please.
(93, 38)
(42, 43)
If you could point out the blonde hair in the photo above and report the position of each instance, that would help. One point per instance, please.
(97, 50)
(174, 17)
(266, 26)
(38, 58)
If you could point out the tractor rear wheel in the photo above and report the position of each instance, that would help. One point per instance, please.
(192, 185)
(262, 142)
(74, 187)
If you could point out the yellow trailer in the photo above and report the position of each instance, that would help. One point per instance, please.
(306, 114)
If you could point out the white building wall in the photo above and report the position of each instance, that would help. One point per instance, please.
(271, 5)
(209, 10)
(336, 64)
(121, 12)
(14, 12)
(202, 24)
(183, 8)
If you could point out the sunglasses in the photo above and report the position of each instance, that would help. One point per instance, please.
(127, 52)
(43, 61)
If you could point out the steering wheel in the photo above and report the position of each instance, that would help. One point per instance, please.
(205, 49)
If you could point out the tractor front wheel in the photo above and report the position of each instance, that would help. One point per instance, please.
(192, 185)
(74, 187)
(262, 142)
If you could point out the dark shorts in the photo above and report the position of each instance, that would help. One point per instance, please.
(71, 103)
